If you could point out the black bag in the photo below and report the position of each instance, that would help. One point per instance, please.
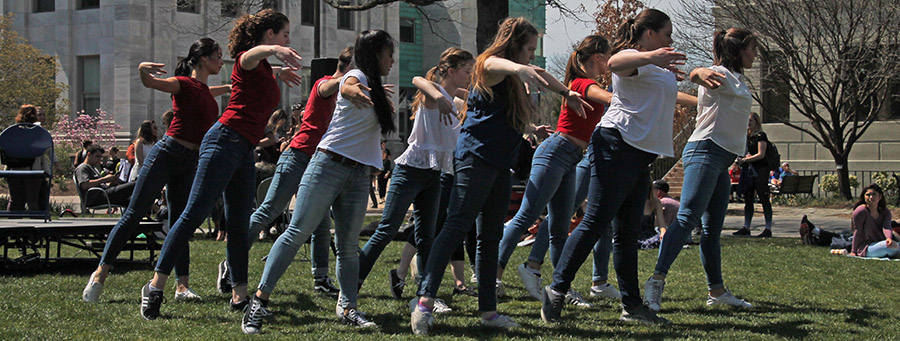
(15, 162)
(773, 159)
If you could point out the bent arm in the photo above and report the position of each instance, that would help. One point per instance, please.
(625, 64)
(250, 59)
(599, 95)
(219, 90)
(329, 88)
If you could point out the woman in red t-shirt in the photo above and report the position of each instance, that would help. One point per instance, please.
(226, 152)
(173, 161)
(552, 180)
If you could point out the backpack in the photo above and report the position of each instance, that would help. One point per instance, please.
(773, 159)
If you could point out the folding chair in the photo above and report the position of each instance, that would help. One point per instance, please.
(19, 143)
(90, 209)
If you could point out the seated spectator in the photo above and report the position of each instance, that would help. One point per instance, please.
(871, 225)
(659, 211)
(778, 175)
(111, 164)
(26, 192)
(735, 174)
(82, 154)
(88, 176)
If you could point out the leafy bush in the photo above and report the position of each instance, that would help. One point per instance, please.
(888, 184)
(829, 183)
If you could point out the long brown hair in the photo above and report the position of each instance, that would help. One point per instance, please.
(756, 128)
(882, 206)
(512, 35)
(145, 134)
(451, 58)
(588, 47)
(728, 45)
(249, 29)
(631, 30)
(27, 114)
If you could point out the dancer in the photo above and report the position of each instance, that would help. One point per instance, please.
(417, 176)
(757, 141)
(553, 169)
(337, 177)
(499, 111)
(173, 161)
(719, 138)
(226, 152)
(636, 127)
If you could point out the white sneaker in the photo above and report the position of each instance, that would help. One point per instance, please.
(574, 298)
(420, 321)
(531, 281)
(92, 290)
(474, 279)
(653, 290)
(501, 321)
(728, 299)
(606, 291)
(439, 305)
(187, 295)
(501, 290)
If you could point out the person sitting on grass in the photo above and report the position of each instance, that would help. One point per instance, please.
(871, 225)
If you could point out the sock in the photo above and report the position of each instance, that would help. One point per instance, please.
(424, 308)
(152, 288)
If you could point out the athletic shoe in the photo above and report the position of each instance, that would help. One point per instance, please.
(806, 231)
(439, 306)
(254, 313)
(187, 295)
(223, 284)
(728, 299)
(354, 318)
(474, 278)
(238, 306)
(465, 291)
(531, 281)
(653, 290)
(499, 321)
(742, 232)
(642, 314)
(766, 233)
(339, 309)
(575, 298)
(551, 304)
(151, 300)
(606, 291)
(92, 290)
(420, 321)
(397, 284)
(501, 290)
(324, 285)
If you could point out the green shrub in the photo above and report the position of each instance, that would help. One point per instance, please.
(829, 184)
(888, 184)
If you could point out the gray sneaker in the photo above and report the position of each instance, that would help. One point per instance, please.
(642, 314)
(653, 290)
(551, 305)
(501, 289)
(151, 300)
(254, 313)
(531, 281)
(420, 321)
(439, 306)
(501, 321)
(354, 318)
(92, 290)
(574, 298)
(606, 291)
(728, 299)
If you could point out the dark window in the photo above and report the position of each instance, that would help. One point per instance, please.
(88, 4)
(407, 30)
(44, 6)
(345, 20)
(188, 6)
(891, 110)
(776, 100)
(231, 8)
(307, 12)
(90, 84)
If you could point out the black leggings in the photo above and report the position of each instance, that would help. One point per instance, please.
(459, 254)
(761, 188)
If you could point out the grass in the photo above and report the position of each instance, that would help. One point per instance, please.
(798, 292)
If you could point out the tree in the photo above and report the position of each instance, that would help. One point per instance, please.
(27, 76)
(833, 62)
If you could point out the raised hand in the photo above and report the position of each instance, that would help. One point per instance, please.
(708, 78)
(529, 75)
(356, 95)
(288, 56)
(289, 77)
(152, 68)
(574, 100)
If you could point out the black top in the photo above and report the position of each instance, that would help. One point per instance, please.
(753, 148)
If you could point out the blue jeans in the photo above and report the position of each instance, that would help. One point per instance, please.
(288, 172)
(880, 250)
(408, 185)
(225, 165)
(326, 183)
(168, 164)
(551, 185)
(480, 194)
(620, 181)
(704, 198)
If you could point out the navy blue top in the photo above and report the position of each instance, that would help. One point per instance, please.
(486, 132)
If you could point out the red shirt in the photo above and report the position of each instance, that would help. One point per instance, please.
(569, 121)
(254, 95)
(195, 110)
(316, 119)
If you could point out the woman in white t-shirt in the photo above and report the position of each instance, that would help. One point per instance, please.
(635, 129)
(147, 136)
(723, 112)
(337, 177)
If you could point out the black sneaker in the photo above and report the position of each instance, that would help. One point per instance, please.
(397, 284)
(551, 305)
(356, 319)
(642, 314)
(765, 234)
(465, 291)
(151, 300)
(253, 316)
(742, 232)
(326, 286)
(238, 306)
(223, 284)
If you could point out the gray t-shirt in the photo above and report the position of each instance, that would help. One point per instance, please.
(85, 172)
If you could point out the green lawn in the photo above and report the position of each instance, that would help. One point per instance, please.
(797, 291)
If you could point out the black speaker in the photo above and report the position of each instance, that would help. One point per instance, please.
(322, 67)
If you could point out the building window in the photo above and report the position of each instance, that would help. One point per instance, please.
(90, 83)
(231, 8)
(776, 100)
(345, 20)
(44, 6)
(88, 4)
(407, 30)
(307, 12)
(188, 6)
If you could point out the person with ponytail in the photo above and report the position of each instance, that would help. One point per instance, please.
(417, 176)
(719, 138)
(337, 178)
(634, 130)
(146, 139)
(553, 169)
(226, 152)
(173, 161)
(499, 112)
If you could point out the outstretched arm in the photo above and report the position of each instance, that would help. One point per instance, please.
(149, 71)
(219, 90)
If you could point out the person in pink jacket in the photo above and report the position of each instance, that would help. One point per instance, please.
(871, 225)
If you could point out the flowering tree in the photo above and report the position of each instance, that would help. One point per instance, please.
(100, 129)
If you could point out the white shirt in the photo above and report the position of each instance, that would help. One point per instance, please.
(354, 133)
(431, 142)
(723, 113)
(136, 170)
(642, 109)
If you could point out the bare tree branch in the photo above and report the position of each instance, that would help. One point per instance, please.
(362, 5)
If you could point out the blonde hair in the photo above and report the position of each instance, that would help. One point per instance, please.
(756, 128)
